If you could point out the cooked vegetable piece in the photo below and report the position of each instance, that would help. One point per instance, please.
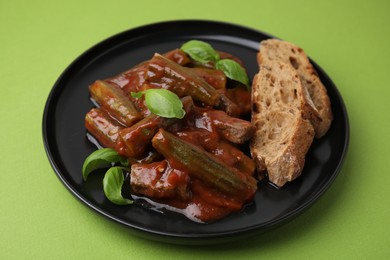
(135, 140)
(150, 156)
(188, 104)
(229, 106)
(234, 157)
(115, 102)
(204, 166)
(102, 127)
(221, 149)
(167, 74)
(214, 197)
(133, 79)
(178, 56)
(159, 180)
(130, 80)
(240, 96)
(215, 78)
(232, 129)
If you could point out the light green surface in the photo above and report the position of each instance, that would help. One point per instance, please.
(40, 219)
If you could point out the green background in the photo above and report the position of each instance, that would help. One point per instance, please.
(39, 217)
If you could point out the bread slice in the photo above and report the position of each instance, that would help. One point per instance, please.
(276, 50)
(283, 135)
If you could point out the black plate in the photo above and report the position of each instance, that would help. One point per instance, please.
(67, 146)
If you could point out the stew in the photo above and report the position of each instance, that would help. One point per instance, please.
(197, 165)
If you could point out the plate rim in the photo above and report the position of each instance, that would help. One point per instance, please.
(169, 236)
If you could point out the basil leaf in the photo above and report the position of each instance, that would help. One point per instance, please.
(200, 51)
(112, 186)
(101, 158)
(233, 70)
(163, 103)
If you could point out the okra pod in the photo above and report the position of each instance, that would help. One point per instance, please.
(102, 127)
(234, 157)
(167, 74)
(223, 150)
(213, 77)
(134, 141)
(178, 56)
(133, 79)
(204, 166)
(130, 80)
(115, 102)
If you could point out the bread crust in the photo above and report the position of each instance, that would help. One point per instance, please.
(283, 135)
(320, 114)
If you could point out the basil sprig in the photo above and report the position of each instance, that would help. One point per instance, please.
(113, 179)
(112, 186)
(101, 158)
(162, 102)
(200, 51)
(233, 70)
(203, 52)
